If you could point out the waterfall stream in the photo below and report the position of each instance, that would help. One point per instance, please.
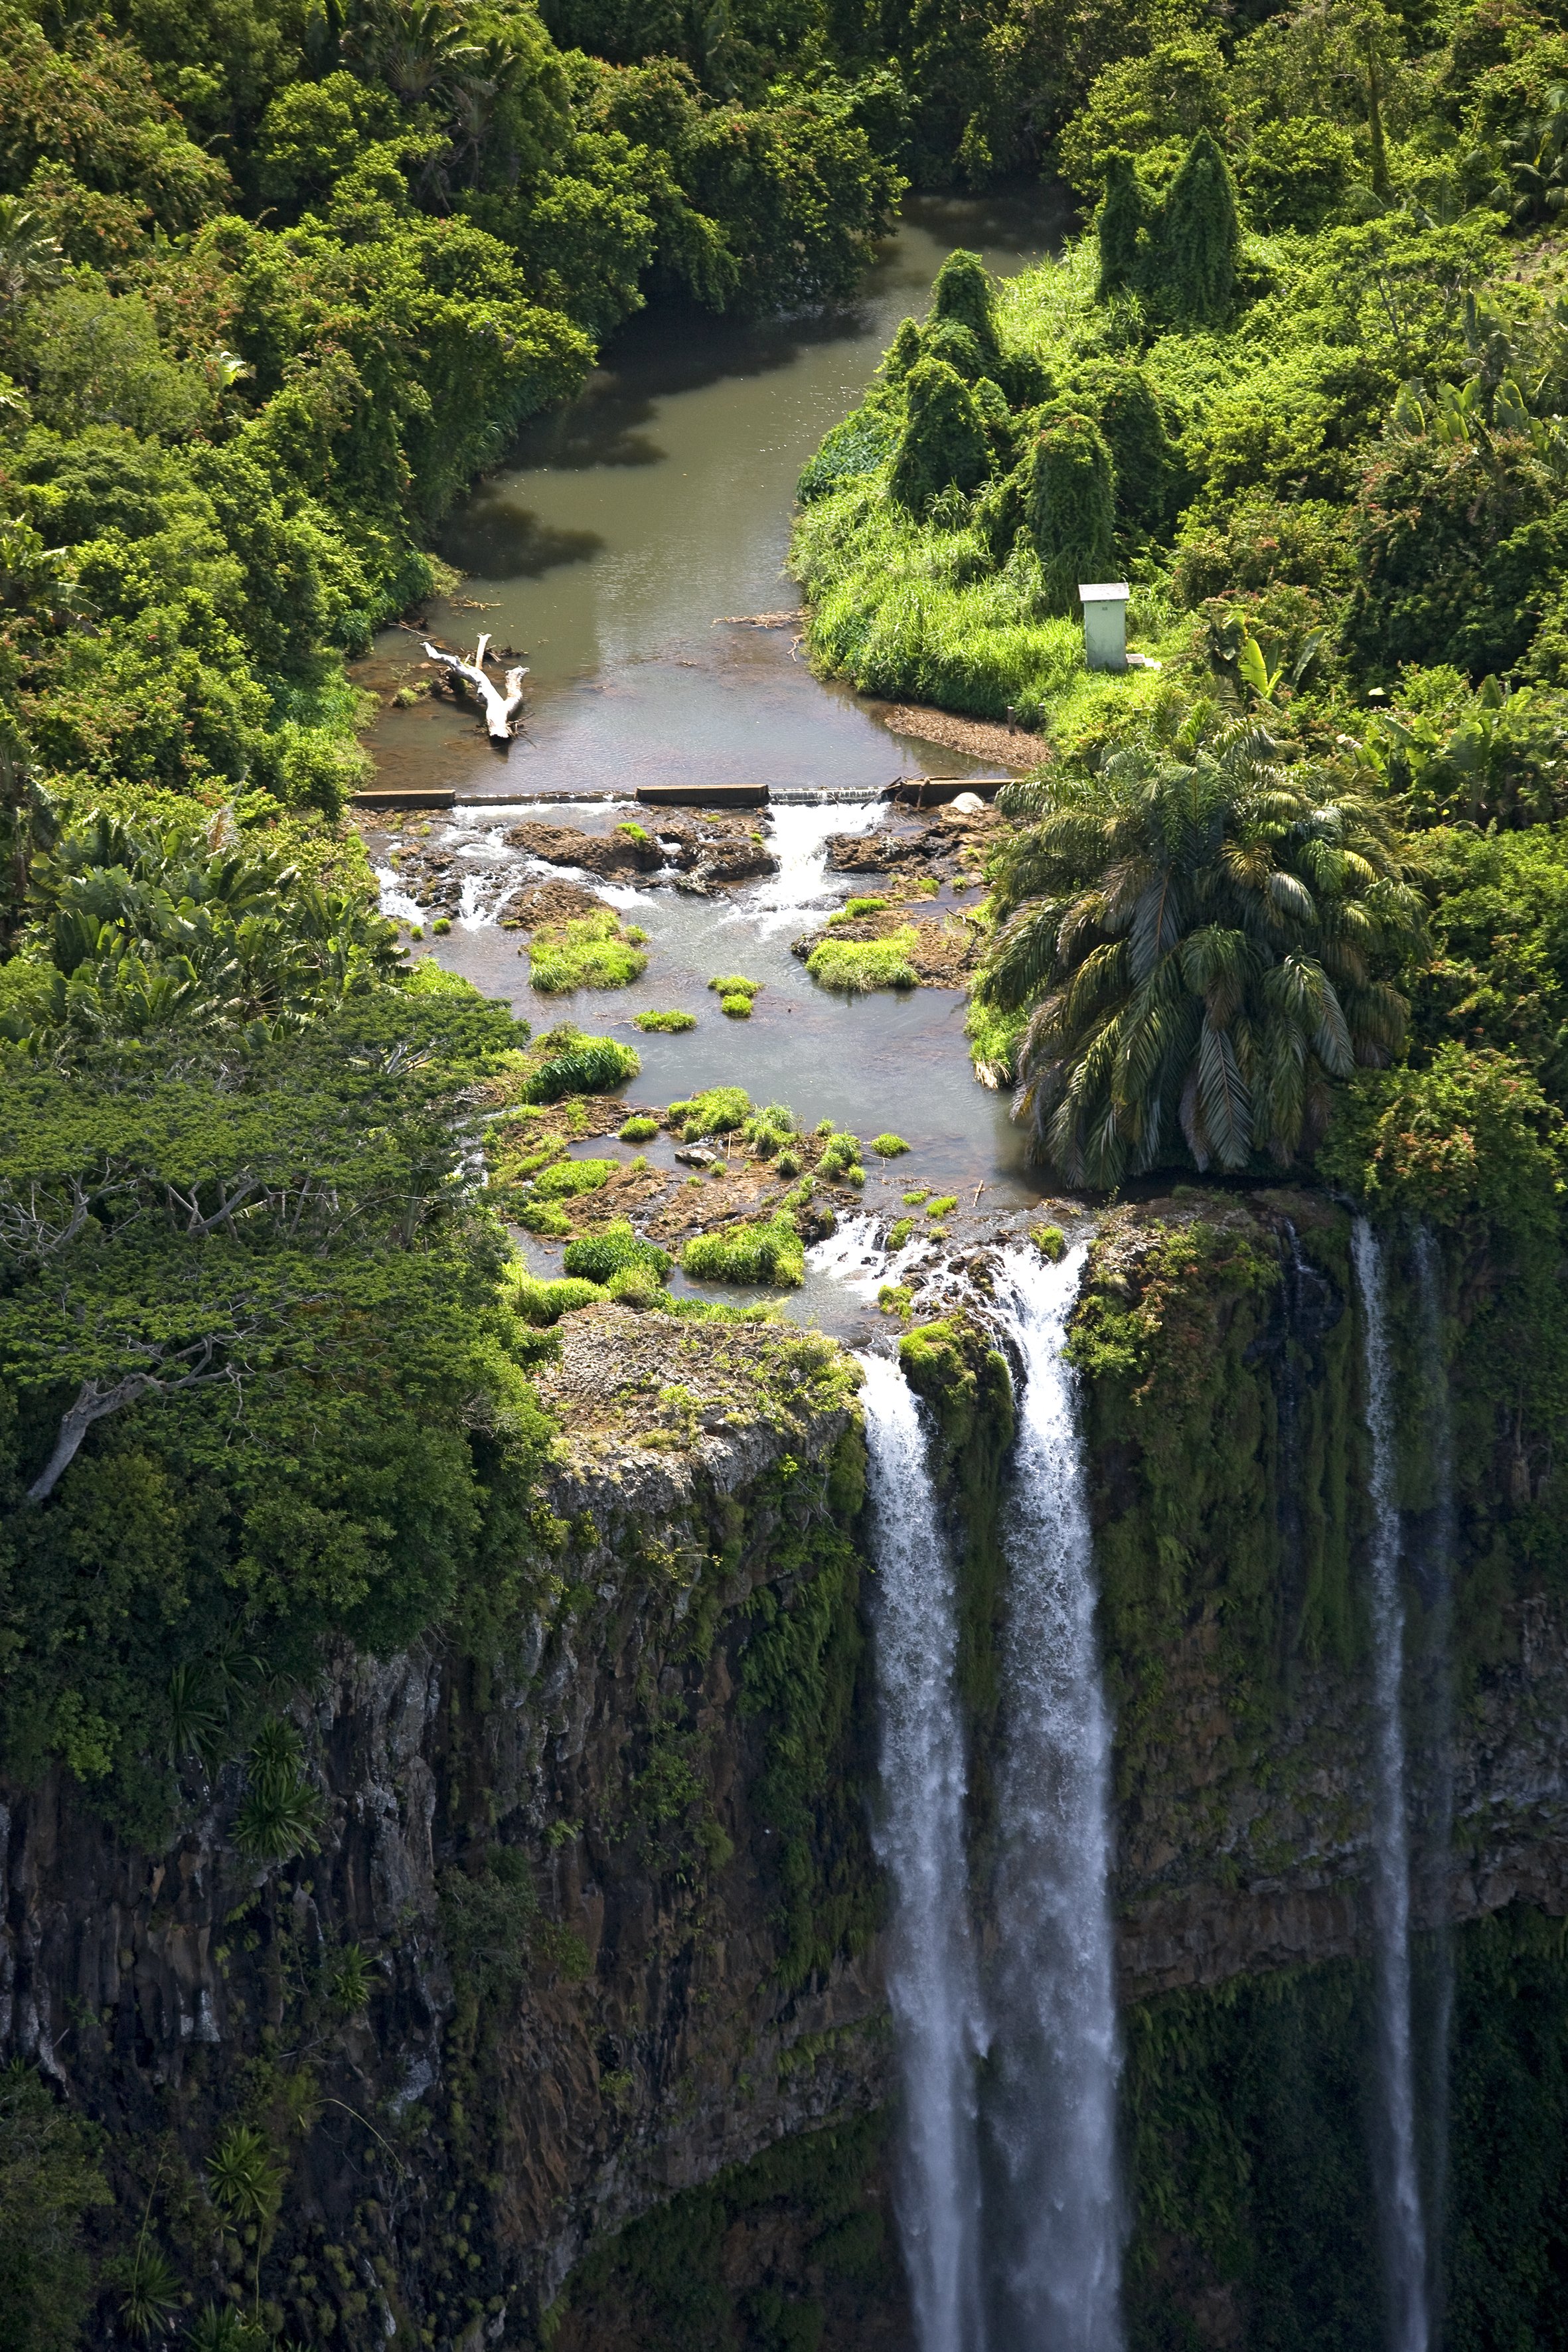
(1056, 2245)
(1399, 2187)
(919, 1840)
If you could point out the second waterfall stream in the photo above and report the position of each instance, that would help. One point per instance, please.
(1033, 2260)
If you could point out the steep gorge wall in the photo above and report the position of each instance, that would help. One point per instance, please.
(613, 1897)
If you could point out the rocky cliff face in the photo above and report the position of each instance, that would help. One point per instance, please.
(589, 1926)
(580, 1927)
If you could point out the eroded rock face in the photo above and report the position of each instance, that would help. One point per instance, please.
(596, 1976)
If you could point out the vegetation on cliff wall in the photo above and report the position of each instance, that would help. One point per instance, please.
(1249, 2122)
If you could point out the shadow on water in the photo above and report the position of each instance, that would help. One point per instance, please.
(498, 537)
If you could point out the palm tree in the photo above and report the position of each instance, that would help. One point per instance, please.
(29, 256)
(1197, 932)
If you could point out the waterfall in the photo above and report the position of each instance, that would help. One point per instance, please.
(1405, 2247)
(1051, 2118)
(1439, 1824)
(919, 1841)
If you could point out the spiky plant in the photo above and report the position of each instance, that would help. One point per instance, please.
(1201, 933)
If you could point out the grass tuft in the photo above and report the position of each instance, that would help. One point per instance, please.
(861, 964)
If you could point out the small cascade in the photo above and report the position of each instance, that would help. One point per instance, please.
(798, 838)
(919, 1841)
(1399, 2187)
(1057, 2241)
(1440, 1729)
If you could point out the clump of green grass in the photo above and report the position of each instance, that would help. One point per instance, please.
(734, 983)
(896, 1298)
(789, 1162)
(672, 1024)
(586, 952)
(717, 1110)
(597, 1258)
(545, 1303)
(564, 1179)
(940, 1208)
(440, 926)
(546, 1217)
(853, 909)
(888, 1147)
(766, 1130)
(858, 965)
(899, 1233)
(993, 1037)
(770, 1252)
(913, 1198)
(576, 1065)
(635, 831)
(738, 1008)
(840, 1160)
(638, 1286)
(937, 1232)
(639, 1130)
(1051, 1242)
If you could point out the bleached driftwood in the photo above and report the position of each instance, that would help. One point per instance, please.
(501, 703)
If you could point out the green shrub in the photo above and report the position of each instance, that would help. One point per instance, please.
(1051, 1243)
(896, 1298)
(547, 1218)
(961, 296)
(1145, 464)
(671, 1024)
(944, 442)
(595, 1257)
(789, 1162)
(639, 1286)
(576, 1065)
(1200, 237)
(717, 1110)
(566, 1178)
(1298, 173)
(858, 445)
(542, 1304)
(771, 1252)
(859, 964)
(1123, 216)
(1071, 507)
(639, 1130)
(840, 1152)
(888, 1147)
(1471, 1132)
(767, 1129)
(586, 952)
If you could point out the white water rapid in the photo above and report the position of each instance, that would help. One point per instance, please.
(1056, 2247)
(1399, 2185)
(919, 1841)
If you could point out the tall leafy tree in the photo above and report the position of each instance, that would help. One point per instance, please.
(1203, 936)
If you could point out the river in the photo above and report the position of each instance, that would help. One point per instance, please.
(623, 528)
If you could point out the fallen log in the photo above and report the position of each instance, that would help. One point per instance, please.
(501, 704)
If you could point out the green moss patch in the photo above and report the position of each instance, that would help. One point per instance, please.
(671, 1024)
(572, 1064)
(771, 1252)
(585, 952)
(858, 965)
(597, 1258)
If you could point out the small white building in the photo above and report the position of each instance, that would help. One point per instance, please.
(1104, 606)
